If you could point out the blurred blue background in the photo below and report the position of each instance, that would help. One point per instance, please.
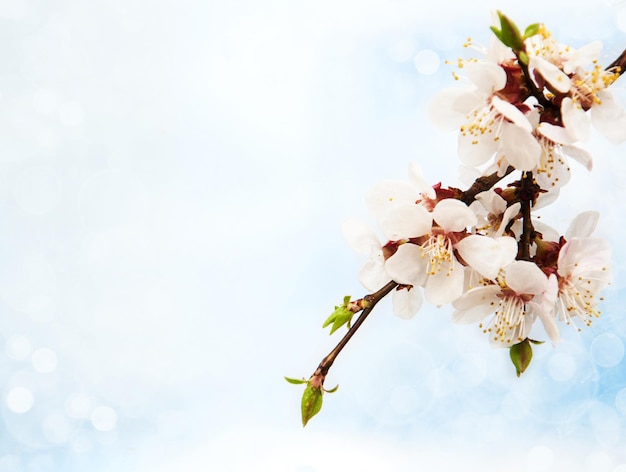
(173, 179)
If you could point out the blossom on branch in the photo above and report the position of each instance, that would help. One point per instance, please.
(514, 302)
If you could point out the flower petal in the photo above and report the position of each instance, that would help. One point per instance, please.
(582, 225)
(486, 76)
(510, 213)
(511, 113)
(556, 134)
(453, 215)
(360, 236)
(373, 275)
(582, 56)
(575, 119)
(406, 220)
(609, 118)
(416, 177)
(449, 109)
(520, 147)
(525, 278)
(476, 304)
(445, 286)
(388, 193)
(580, 155)
(476, 150)
(553, 75)
(407, 266)
(407, 302)
(487, 255)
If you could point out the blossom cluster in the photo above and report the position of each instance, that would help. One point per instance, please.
(529, 104)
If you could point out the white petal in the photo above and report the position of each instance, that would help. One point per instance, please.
(492, 202)
(582, 225)
(549, 324)
(525, 277)
(511, 113)
(582, 56)
(575, 119)
(556, 134)
(547, 231)
(406, 220)
(388, 193)
(580, 155)
(510, 213)
(476, 304)
(520, 147)
(609, 118)
(476, 150)
(546, 199)
(417, 178)
(453, 215)
(450, 107)
(487, 255)
(553, 75)
(585, 254)
(407, 266)
(360, 236)
(486, 76)
(497, 52)
(407, 302)
(373, 275)
(445, 286)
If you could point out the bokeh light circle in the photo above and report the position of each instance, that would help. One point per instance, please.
(607, 350)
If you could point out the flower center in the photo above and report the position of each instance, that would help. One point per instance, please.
(481, 122)
(509, 321)
(576, 300)
(439, 251)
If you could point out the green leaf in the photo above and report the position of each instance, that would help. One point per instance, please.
(498, 34)
(536, 342)
(332, 390)
(531, 30)
(510, 33)
(521, 355)
(291, 380)
(311, 403)
(340, 316)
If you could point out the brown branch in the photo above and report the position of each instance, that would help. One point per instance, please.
(372, 300)
(482, 184)
(527, 194)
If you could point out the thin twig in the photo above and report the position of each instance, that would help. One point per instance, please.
(372, 301)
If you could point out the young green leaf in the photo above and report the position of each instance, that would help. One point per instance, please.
(291, 380)
(498, 34)
(521, 355)
(531, 30)
(511, 36)
(340, 316)
(311, 403)
(332, 390)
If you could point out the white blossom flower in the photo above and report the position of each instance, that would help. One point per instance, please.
(364, 240)
(433, 263)
(514, 303)
(587, 98)
(488, 125)
(557, 147)
(388, 194)
(583, 270)
(406, 300)
(495, 215)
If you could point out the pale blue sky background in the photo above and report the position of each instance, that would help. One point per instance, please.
(173, 178)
